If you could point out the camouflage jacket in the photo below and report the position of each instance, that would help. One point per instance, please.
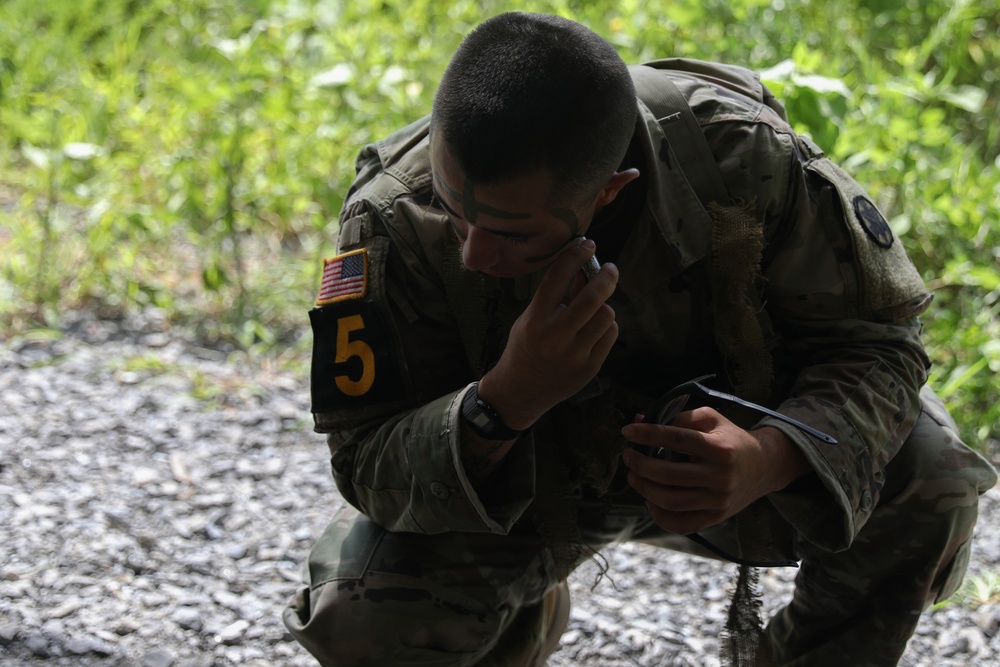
(400, 336)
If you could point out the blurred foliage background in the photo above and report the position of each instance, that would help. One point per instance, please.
(191, 156)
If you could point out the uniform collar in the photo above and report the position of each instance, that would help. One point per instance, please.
(672, 206)
(673, 230)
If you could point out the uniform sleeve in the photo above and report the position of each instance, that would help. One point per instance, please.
(388, 376)
(843, 300)
(406, 474)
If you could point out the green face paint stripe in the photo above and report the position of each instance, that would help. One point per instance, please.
(444, 186)
(471, 207)
(438, 183)
(469, 202)
(569, 217)
(458, 232)
(572, 223)
(447, 209)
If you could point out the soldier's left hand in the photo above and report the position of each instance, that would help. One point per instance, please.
(729, 468)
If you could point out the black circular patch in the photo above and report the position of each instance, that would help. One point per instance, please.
(874, 224)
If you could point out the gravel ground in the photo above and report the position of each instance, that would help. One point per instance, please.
(158, 497)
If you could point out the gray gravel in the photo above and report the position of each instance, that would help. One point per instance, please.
(157, 499)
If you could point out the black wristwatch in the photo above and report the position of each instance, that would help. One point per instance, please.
(483, 419)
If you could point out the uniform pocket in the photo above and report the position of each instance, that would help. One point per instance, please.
(344, 550)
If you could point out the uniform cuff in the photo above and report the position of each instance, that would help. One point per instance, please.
(446, 497)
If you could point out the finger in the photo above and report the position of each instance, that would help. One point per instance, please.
(602, 348)
(561, 273)
(597, 326)
(592, 296)
(578, 283)
(651, 470)
(683, 440)
(702, 419)
(675, 498)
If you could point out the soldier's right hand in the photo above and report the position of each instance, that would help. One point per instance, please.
(559, 342)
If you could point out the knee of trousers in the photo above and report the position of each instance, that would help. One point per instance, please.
(934, 473)
(373, 598)
(930, 500)
(389, 620)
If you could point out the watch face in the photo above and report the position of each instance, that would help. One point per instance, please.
(483, 420)
(479, 420)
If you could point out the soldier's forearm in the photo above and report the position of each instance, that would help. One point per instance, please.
(481, 456)
(786, 463)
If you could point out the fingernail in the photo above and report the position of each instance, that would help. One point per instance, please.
(588, 244)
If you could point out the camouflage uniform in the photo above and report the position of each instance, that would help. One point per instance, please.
(432, 573)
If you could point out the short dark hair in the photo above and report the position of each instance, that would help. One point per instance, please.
(532, 91)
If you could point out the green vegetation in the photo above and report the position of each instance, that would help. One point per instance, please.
(980, 589)
(977, 590)
(192, 155)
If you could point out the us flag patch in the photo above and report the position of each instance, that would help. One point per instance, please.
(344, 277)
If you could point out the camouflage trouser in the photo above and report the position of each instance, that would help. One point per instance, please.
(860, 606)
(377, 598)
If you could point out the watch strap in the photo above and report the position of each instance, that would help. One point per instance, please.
(483, 419)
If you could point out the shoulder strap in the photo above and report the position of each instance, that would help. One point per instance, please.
(742, 324)
(683, 132)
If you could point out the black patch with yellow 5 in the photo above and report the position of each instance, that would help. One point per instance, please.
(353, 363)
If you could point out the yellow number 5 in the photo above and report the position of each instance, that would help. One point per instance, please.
(347, 348)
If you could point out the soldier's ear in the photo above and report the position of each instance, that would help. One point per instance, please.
(618, 180)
